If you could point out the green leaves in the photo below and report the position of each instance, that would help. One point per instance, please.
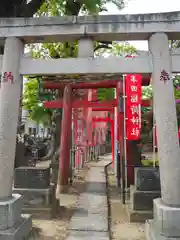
(105, 94)
(34, 106)
(117, 49)
(147, 92)
(69, 7)
(52, 8)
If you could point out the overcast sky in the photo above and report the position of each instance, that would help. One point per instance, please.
(145, 6)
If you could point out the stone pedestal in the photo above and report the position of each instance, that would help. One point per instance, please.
(147, 188)
(38, 195)
(13, 225)
(165, 224)
(40, 203)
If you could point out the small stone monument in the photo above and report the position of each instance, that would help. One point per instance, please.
(142, 194)
(34, 184)
(20, 158)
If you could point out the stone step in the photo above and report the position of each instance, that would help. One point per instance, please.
(19, 231)
(91, 214)
(82, 235)
(143, 200)
(138, 216)
(45, 196)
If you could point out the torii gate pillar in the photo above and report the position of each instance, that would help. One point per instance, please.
(11, 82)
(85, 49)
(65, 140)
(167, 209)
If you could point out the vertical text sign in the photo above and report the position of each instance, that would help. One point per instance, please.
(7, 77)
(133, 106)
(79, 136)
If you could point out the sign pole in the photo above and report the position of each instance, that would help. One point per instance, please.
(115, 136)
(125, 137)
(132, 122)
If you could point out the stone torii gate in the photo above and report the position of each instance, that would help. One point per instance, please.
(157, 29)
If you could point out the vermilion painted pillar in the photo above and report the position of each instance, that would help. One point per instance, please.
(65, 138)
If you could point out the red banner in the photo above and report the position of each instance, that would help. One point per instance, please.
(133, 106)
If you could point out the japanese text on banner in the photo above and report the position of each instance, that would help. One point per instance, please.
(133, 106)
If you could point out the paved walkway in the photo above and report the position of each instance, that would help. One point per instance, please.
(90, 219)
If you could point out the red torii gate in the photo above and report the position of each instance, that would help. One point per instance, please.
(66, 120)
(82, 104)
(105, 105)
(89, 85)
(111, 121)
(68, 104)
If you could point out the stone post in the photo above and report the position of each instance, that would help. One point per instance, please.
(9, 111)
(11, 224)
(167, 209)
(85, 50)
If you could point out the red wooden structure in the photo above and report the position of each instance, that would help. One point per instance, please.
(88, 114)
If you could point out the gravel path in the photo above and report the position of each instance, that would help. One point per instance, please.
(90, 219)
(121, 229)
(57, 229)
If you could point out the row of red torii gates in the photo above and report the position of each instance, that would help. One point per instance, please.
(89, 118)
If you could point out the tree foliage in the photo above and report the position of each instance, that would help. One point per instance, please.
(19, 8)
(67, 49)
(70, 7)
(61, 50)
(32, 103)
(147, 92)
(27, 8)
(117, 49)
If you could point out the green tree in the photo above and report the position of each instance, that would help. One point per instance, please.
(19, 8)
(115, 49)
(59, 50)
(148, 94)
(65, 50)
(27, 8)
(62, 50)
(33, 104)
(176, 81)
